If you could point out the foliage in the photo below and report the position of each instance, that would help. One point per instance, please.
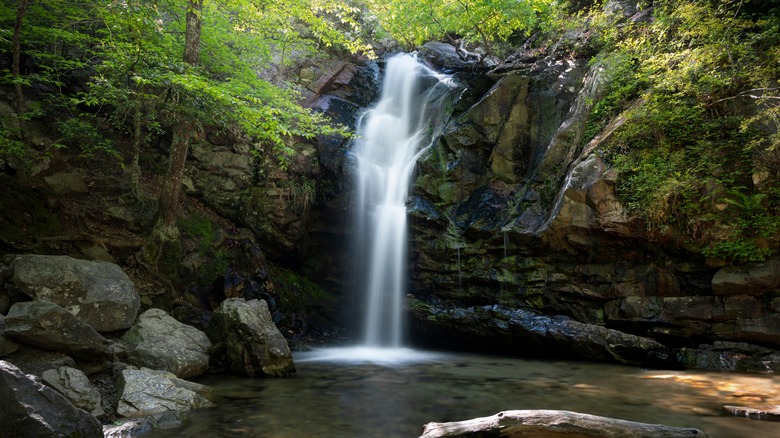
(206, 234)
(698, 88)
(298, 294)
(129, 51)
(483, 21)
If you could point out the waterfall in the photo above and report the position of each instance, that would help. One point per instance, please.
(390, 138)
(405, 122)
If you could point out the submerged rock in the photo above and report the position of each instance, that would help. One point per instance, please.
(31, 409)
(246, 340)
(161, 342)
(98, 293)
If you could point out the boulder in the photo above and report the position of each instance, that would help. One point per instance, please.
(75, 386)
(66, 183)
(161, 342)
(50, 327)
(246, 340)
(144, 392)
(553, 423)
(98, 293)
(31, 409)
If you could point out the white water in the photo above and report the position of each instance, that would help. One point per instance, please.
(390, 139)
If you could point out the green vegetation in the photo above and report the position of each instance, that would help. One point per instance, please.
(206, 235)
(480, 21)
(298, 295)
(698, 156)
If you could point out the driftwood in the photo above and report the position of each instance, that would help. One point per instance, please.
(554, 424)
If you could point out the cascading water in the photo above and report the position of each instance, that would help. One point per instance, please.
(390, 138)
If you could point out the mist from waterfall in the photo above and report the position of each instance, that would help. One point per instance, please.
(390, 138)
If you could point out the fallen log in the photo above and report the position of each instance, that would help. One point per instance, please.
(554, 424)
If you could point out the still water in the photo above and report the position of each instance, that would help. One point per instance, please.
(348, 399)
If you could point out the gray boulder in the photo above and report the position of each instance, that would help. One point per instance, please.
(161, 342)
(31, 409)
(99, 293)
(75, 386)
(50, 327)
(246, 340)
(144, 392)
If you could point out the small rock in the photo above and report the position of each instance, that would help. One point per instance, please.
(75, 386)
(768, 412)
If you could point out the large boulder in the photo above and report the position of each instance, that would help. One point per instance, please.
(50, 327)
(99, 293)
(162, 343)
(31, 409)
(75, 386)
(144, 392)
(246, 340)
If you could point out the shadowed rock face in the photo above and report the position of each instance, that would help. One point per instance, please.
(31, 409)
(49, 326)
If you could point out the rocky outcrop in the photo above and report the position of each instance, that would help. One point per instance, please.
(75, 386)
(98, 293)
(144, 393)
(31, 409)
(518, 331)
(160, 342)
(50, 327)
(247, 342)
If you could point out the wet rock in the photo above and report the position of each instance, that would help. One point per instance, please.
(75, 386)
(144, 392)
(446, 57)
(98, 293)
(246, 340)
(518, 331)
(161, 342)
(31, 409)
(49, 326)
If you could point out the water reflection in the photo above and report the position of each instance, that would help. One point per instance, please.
(367, 399)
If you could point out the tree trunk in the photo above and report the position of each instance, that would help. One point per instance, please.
(554, 424)
(163, 243)
(16, 44)
(135, 166)
(192, 32)
(165, 228)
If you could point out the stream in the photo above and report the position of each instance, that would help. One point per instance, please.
(344, 399)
